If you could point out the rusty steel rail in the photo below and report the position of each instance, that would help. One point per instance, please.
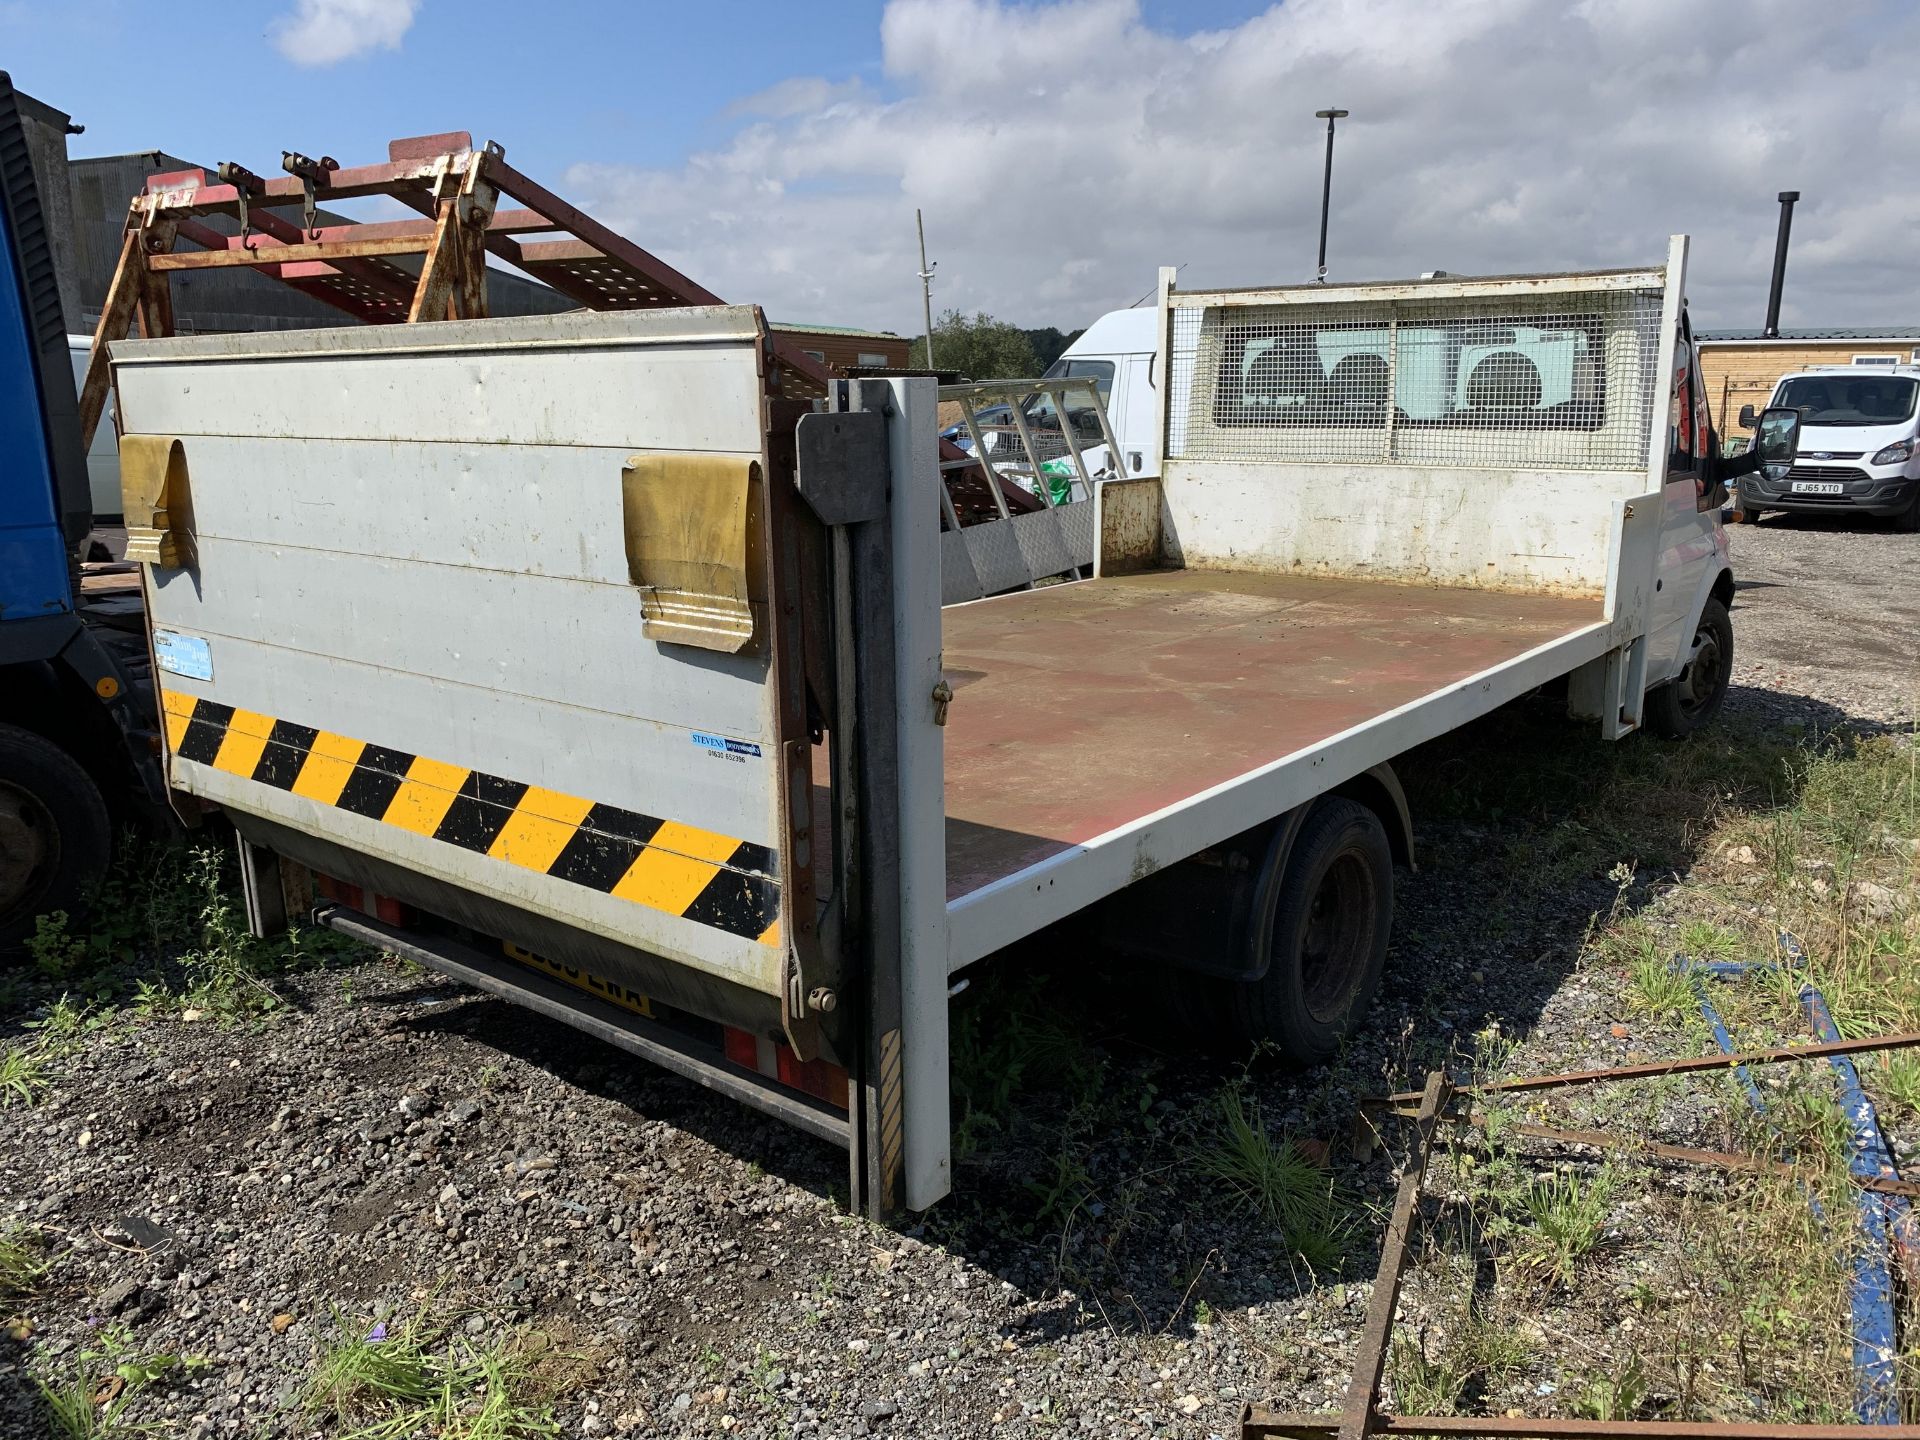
(1257, 1423)
(350, 267)
(1369, 1364)
(1648, 1069)
(1684, 1154)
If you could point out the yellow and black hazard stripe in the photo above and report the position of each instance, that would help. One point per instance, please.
(664, 865)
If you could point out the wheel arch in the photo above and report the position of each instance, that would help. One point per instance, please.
(1379, 790)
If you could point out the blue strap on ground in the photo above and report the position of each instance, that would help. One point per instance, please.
(1876, 1390)
(1878, 1400)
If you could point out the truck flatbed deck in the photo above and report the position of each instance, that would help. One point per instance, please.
(1070, 701)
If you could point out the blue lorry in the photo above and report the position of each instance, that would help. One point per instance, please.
(78, 741)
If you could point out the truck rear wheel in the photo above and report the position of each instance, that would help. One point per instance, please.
(1327, 937)
(1694, 696)
(55, 839)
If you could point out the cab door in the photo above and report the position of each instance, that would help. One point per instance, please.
(1690, 529)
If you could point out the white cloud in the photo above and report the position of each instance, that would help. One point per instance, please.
(1063, 151)
(325, 32)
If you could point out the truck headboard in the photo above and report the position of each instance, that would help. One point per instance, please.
(1472, 432)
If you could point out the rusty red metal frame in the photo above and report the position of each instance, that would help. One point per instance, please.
(1357, 1416)
(1257, 1423)
(444, 177)
(1652, 1068)
(1684, 1154)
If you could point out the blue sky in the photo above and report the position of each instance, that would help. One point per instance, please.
(1064, 149)
(557, 82)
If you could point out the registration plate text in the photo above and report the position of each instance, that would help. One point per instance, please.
(1818, 487)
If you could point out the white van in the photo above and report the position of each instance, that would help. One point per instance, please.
(1859, 447)
(1117, 353)
(103, 456)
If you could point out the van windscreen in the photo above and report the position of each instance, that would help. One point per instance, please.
(1849, 399)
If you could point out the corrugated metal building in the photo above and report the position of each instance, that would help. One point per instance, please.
(1741, 367)
(231, 299)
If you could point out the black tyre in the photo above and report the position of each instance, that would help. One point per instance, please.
(55, 839)
(1693, 697)
(1907, 522)
(1332, 913)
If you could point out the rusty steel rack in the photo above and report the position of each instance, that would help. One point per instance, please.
(354, 267)
(1433, 1106)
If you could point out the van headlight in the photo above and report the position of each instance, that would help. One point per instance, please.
(1893, 454)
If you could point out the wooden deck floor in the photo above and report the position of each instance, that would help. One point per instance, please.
(1080, 708)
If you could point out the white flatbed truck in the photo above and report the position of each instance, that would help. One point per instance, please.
(559, 655)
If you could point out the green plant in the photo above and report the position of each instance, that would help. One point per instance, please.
(75, 1416)
(1062, 1191)
(368, 1367)
(1618, 1396)
(1658, 990)
(1011, 1041)
(82, 1409)
(55, 954)
(22, 1076)
(21, 1265)
(1898, 1077)
(1568, 1215)
(1275, 1179)
(1425, 1384)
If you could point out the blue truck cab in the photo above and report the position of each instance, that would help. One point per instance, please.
(77, 733)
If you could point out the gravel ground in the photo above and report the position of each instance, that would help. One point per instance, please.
(1827, 613)
(386, 1147)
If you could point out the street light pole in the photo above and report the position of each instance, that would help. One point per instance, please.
(926, 284)
(1326, 186)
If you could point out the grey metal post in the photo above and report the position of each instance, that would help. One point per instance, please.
(1326, 187)
(1787, 197)
(926, 283)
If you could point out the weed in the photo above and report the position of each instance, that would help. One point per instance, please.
(1473, 1353)
(1898, 1076)
(66, 1024)
(1568, 1218)
(83, 1409)
(368, 1367)
(55, 954)
(386, 1382)
(1618, 1396)
(1010, 1041)
(1276, 1180)
(1659, 991)
(491, 1078)
(75, 1416)
(22, 1076)
(21, 1265)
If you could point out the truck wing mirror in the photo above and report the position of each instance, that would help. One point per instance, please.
(1778, 438)
(1746, 417)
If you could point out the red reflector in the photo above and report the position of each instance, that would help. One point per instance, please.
(819, 1078)
(742, 1048)
(340, 892)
